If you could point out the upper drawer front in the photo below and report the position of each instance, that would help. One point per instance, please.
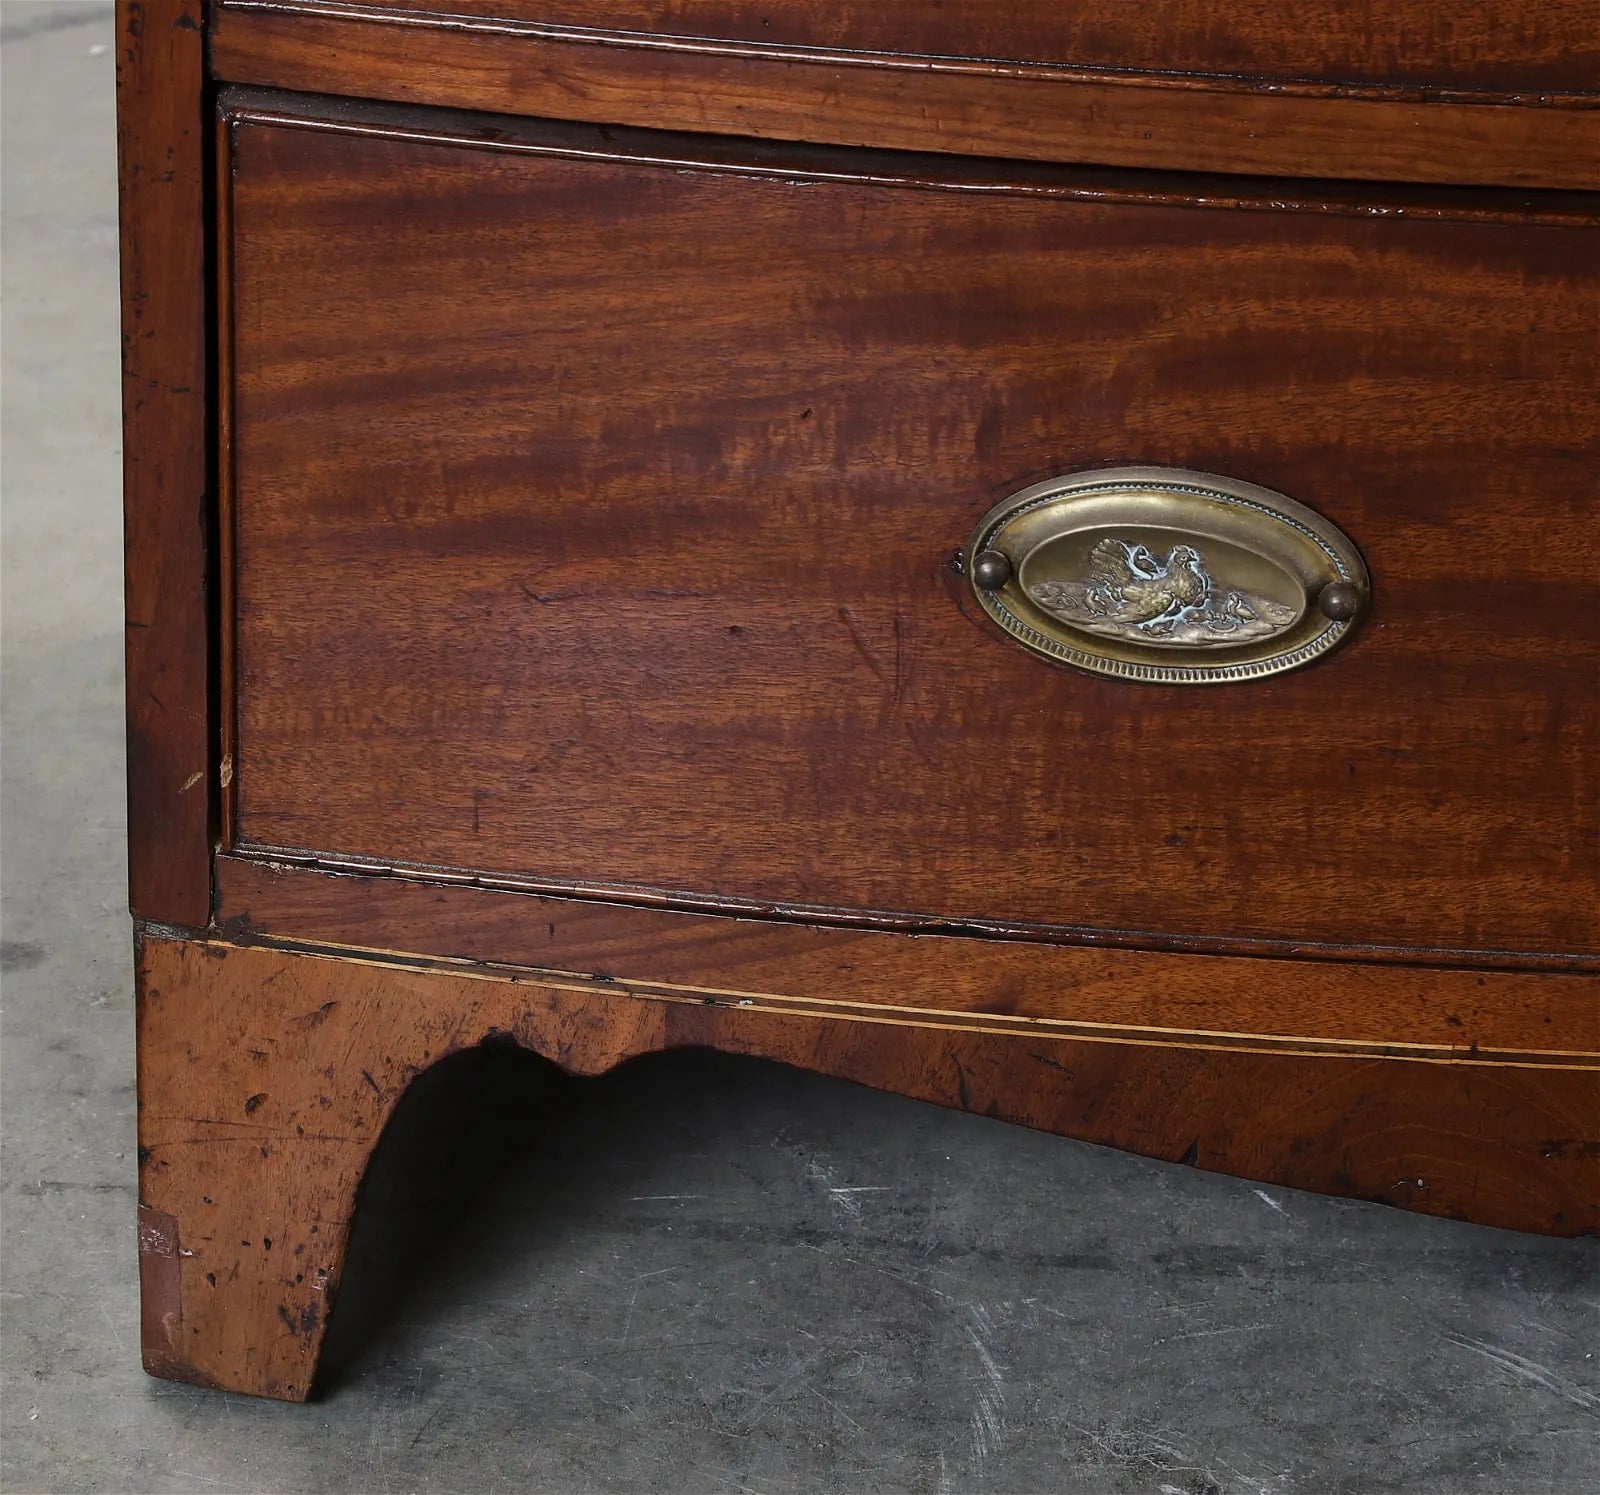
(1332, 91)
(1493, 45)
(595, 521)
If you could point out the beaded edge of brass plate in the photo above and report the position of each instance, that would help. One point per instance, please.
(1166, 576)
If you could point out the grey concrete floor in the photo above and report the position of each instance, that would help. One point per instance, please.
(696, 1274)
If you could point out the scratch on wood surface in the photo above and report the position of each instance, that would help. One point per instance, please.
(863, 648)
(161, 1297)
(961, 1084)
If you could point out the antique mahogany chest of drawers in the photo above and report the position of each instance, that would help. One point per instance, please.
(1041, 556)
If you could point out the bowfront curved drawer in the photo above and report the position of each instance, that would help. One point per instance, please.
(603, 514)
(1496, 93)
(1508, 46)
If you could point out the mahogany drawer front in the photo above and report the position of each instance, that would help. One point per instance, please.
(1494, 45)
(593, 522)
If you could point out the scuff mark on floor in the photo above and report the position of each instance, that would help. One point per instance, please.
(1529, 1370)
(1271, 1203)
(989, 1410)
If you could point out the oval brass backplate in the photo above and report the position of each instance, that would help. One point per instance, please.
(1166, 575)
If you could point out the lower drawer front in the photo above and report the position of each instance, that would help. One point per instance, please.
(594, 522)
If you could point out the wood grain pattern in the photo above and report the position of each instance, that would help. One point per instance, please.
(1500, 45)
(1463, 1015)
(161, 129)
(1026, 114)
(588, 505)
(248, 874)
(266, 1077)
(558, 560)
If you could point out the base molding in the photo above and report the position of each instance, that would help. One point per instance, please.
(267, 1074)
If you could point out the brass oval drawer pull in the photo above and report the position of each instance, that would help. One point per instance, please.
(1166, 575)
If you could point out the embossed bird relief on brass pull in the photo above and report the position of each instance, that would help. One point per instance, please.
(1166, 575)
(1129, 594)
